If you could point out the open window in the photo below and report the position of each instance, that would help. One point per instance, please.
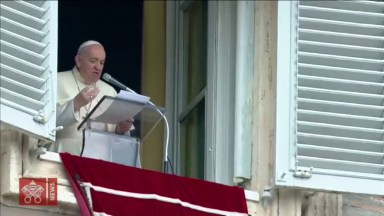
(28, 67)
(330, 126)
(118, 64)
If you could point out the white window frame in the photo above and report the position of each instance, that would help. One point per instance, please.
(220, 76)
(285, 148)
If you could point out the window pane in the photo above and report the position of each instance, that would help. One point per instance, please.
(193, 142)
(195, 37)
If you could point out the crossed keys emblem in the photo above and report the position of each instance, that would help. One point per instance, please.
(32, 190)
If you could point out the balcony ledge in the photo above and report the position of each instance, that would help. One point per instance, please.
(19, 159)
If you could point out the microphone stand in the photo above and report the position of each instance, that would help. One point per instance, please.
(165, 162)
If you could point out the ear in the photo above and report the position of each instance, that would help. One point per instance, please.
(78, 60)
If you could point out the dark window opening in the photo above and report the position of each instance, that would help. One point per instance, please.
(117, 25)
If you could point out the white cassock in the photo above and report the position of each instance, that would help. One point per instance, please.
(69, 84)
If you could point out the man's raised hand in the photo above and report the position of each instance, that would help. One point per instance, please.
(84, 97)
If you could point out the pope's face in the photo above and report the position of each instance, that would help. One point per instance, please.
(91, 63)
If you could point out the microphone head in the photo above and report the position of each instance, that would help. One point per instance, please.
(106, 77)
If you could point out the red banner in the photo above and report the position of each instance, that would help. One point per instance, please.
(122, 190)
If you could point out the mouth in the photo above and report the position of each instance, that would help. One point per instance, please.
(96, 73)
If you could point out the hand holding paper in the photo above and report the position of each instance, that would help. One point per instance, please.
(124, 126)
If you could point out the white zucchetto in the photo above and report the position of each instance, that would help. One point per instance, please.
(87, 43)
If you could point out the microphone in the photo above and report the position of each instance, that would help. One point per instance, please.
(108, 78)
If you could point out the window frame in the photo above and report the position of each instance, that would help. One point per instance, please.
(329, 181)
(182, 110)
(218, 158)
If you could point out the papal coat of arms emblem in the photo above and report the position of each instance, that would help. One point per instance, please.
(38, 191)
(32, 191)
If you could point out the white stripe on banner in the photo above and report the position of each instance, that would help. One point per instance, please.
(159, 198)
(100, 214)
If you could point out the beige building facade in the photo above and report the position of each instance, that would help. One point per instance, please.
(20, 153)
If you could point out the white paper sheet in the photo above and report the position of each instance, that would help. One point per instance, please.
(133, 97)
(114, 111)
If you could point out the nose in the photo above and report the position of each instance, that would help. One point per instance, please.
(97, 66)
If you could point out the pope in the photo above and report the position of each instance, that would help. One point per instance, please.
(78, 91)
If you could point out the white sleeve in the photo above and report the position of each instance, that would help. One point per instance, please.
(66, 115)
